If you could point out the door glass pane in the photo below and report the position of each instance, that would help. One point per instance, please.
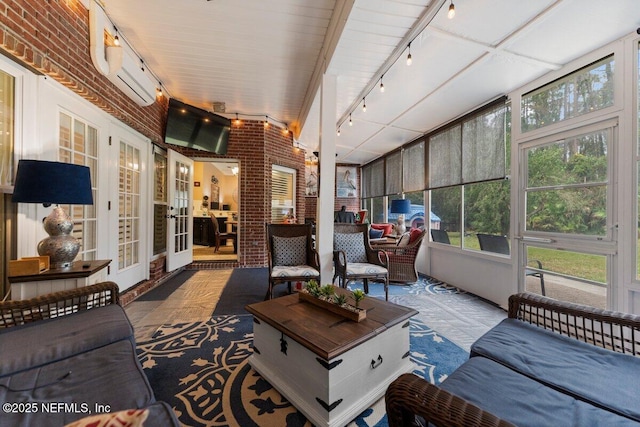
(567, 185)
(129, 198)
(7, 111)
(78, 145)
(180, 206)
(568, 276)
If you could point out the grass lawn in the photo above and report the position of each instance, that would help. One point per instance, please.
(586, 266)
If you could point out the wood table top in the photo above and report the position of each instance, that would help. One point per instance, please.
(78, 269)
(325, 333)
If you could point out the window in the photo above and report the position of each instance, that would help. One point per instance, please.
(566, 187)
(283, 192)
(7, 135)
(160, 203)
(586, 90)
(78, 142)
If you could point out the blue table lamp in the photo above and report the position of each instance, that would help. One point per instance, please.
(54, 183)
(401, 207)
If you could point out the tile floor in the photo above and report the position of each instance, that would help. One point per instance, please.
(462, 318)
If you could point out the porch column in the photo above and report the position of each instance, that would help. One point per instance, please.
(327, 177)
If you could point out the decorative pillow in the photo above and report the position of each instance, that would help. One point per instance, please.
(375, 234)
(352, 244)
(128, 418)
(414, 234)
(289, 250)
(387, 229)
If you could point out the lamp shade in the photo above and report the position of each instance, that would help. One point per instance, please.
(401, 206)
(39, 181)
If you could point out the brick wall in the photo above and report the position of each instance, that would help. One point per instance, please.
(256, 149)
(52, 38)
(352, 203)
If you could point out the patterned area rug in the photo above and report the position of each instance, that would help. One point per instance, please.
(201, 369)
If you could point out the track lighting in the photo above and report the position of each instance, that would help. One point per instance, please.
(350, 121)
(116, 39)
(266, 122)
(409, 60)
(364, 105)
(237, 120)
(159, 90)
(338, 133)
(452, 11)
(381, 84)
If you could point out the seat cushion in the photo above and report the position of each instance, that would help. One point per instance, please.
(352, 244)
(294, 271)
(289, 250)
(582, 370)
(55, 339)
(523, 401)
(363, 269)
(109, 375)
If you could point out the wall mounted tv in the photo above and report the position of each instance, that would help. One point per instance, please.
(189, 126)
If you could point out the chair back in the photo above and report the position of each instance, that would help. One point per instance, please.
(494, 243)
(290, 230)
(440, 236)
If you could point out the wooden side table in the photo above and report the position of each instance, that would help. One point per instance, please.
(81, 273)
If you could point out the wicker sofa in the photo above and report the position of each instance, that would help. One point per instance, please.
(548, 363)
(69, 355)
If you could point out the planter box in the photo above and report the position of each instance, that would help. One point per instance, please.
(356, 316)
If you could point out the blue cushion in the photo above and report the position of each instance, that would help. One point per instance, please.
(523, 401)
(375, 234)
(590, 373)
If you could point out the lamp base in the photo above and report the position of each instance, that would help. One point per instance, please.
(61, 247)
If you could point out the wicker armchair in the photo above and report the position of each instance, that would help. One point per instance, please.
(410, 398)
(56, 304)
(292, 257)
(402, 259)
(354, 259)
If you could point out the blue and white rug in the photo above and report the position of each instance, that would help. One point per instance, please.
(201, 369)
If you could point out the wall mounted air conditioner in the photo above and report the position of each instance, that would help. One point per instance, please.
(119, 63)
(131, 78)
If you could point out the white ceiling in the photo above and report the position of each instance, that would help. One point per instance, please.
(266, 58)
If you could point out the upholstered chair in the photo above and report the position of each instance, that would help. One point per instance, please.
(292, 257)
(354, 259)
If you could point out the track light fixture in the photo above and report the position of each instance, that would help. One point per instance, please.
(364, 105)
(159, 90)
(350, 121)
(338, 133)
(266, 122)
(409, 60)
(116, 39)
(237, 120)
(452, 11)
(381, 84)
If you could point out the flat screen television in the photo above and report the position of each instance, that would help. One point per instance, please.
(192, 127)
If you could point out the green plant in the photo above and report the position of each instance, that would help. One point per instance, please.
(313, 288)
(340, 299)
(358, 295)
(327, 291)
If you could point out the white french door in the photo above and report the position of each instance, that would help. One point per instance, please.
(569, 217)
(128, 208)
(179, 211)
